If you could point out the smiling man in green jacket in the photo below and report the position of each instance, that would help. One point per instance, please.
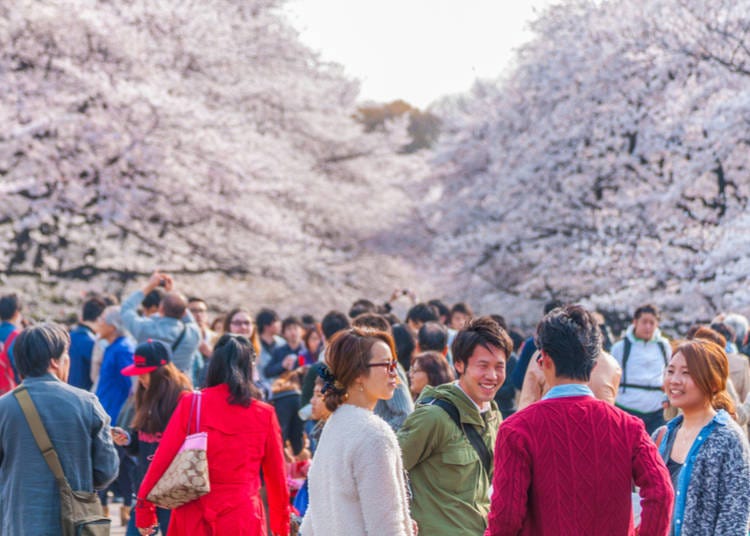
(449, 439)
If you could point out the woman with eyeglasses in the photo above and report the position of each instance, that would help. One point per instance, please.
(356, 482)
(244, 439)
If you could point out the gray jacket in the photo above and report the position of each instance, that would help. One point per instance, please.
(79, 430)
(163, 329)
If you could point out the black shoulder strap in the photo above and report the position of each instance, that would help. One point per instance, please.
(663, 353)
(471, 433)
(625, 355)
(182, 336)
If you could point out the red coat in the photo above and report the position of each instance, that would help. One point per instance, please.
(241, 442)
(565, 467)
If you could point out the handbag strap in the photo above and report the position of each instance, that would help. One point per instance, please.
(40, 434)
(195, 402)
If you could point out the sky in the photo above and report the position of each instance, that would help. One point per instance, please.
(416, 50)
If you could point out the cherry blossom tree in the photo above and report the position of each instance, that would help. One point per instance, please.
(610, 165)
(200, 137)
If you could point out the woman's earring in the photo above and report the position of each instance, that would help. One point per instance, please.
(361, 388)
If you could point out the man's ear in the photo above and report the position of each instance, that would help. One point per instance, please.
(459, 366)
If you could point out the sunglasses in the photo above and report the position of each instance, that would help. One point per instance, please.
(391, 365)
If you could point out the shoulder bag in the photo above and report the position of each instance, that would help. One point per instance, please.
(186, 478)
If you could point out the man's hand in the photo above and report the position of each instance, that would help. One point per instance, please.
(159, 279)
(289, 362)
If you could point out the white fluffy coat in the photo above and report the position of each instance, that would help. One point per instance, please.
(356, 481)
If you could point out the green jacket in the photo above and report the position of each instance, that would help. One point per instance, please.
(449, 485)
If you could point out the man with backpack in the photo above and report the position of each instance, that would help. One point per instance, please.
(448, 441)
(643, 355)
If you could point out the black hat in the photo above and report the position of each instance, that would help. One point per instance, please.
(149, 356)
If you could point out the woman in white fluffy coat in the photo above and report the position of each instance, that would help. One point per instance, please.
(356, 481)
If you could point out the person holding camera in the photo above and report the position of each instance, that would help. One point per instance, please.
(174, 325)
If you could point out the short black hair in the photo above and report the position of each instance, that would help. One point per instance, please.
(153, 298)
(648, 308)
(551, 305)
(93, 308)
(463, 308)
(432, 336)
(500, 319)
(726, 330)
(480, 331)
(333, 322)
(442, 308)
(265, 318)
(10, 304)
(570, 335)
(36, 346)
(362, 306)
(290, 321)
(403, 337)
(422, 312)
(372, 321)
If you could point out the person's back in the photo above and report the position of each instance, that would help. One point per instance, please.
(566, 465)
(582, 451)
(79, 431)
(82, 340)
(244, 439)
(174, 325)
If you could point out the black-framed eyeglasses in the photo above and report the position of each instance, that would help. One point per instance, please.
(392, 365)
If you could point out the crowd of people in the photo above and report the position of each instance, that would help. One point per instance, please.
(439, 423)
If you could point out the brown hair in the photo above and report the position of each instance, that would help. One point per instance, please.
(708, 334)
(435, 366)
(154, 406)
(709, 368)
(347, 357)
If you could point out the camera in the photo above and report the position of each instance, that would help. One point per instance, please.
(162, 282)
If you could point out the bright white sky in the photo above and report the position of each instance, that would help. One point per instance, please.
(416, 50)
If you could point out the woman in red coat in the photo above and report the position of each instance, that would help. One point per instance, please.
(243, 438)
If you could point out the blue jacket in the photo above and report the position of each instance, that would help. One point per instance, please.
(82, 340)
(113, 388)
(713, 487)
(79, 430)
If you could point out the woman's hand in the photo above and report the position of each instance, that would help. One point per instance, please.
(148, 530)
(120, 436)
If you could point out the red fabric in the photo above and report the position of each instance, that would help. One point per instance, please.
(565, 466)
(7, 379)
(241, 442)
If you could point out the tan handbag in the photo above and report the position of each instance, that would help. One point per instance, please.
(186, 478)
(80, 511)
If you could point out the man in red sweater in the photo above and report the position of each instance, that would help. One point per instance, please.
(566, 464)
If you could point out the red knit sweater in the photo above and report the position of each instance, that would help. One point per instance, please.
(565, 466)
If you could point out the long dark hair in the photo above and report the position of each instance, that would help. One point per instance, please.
(154, 405)
(232, 363)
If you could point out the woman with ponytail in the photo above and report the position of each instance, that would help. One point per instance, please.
(356, 482)
(244, 438)
(706, 452)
